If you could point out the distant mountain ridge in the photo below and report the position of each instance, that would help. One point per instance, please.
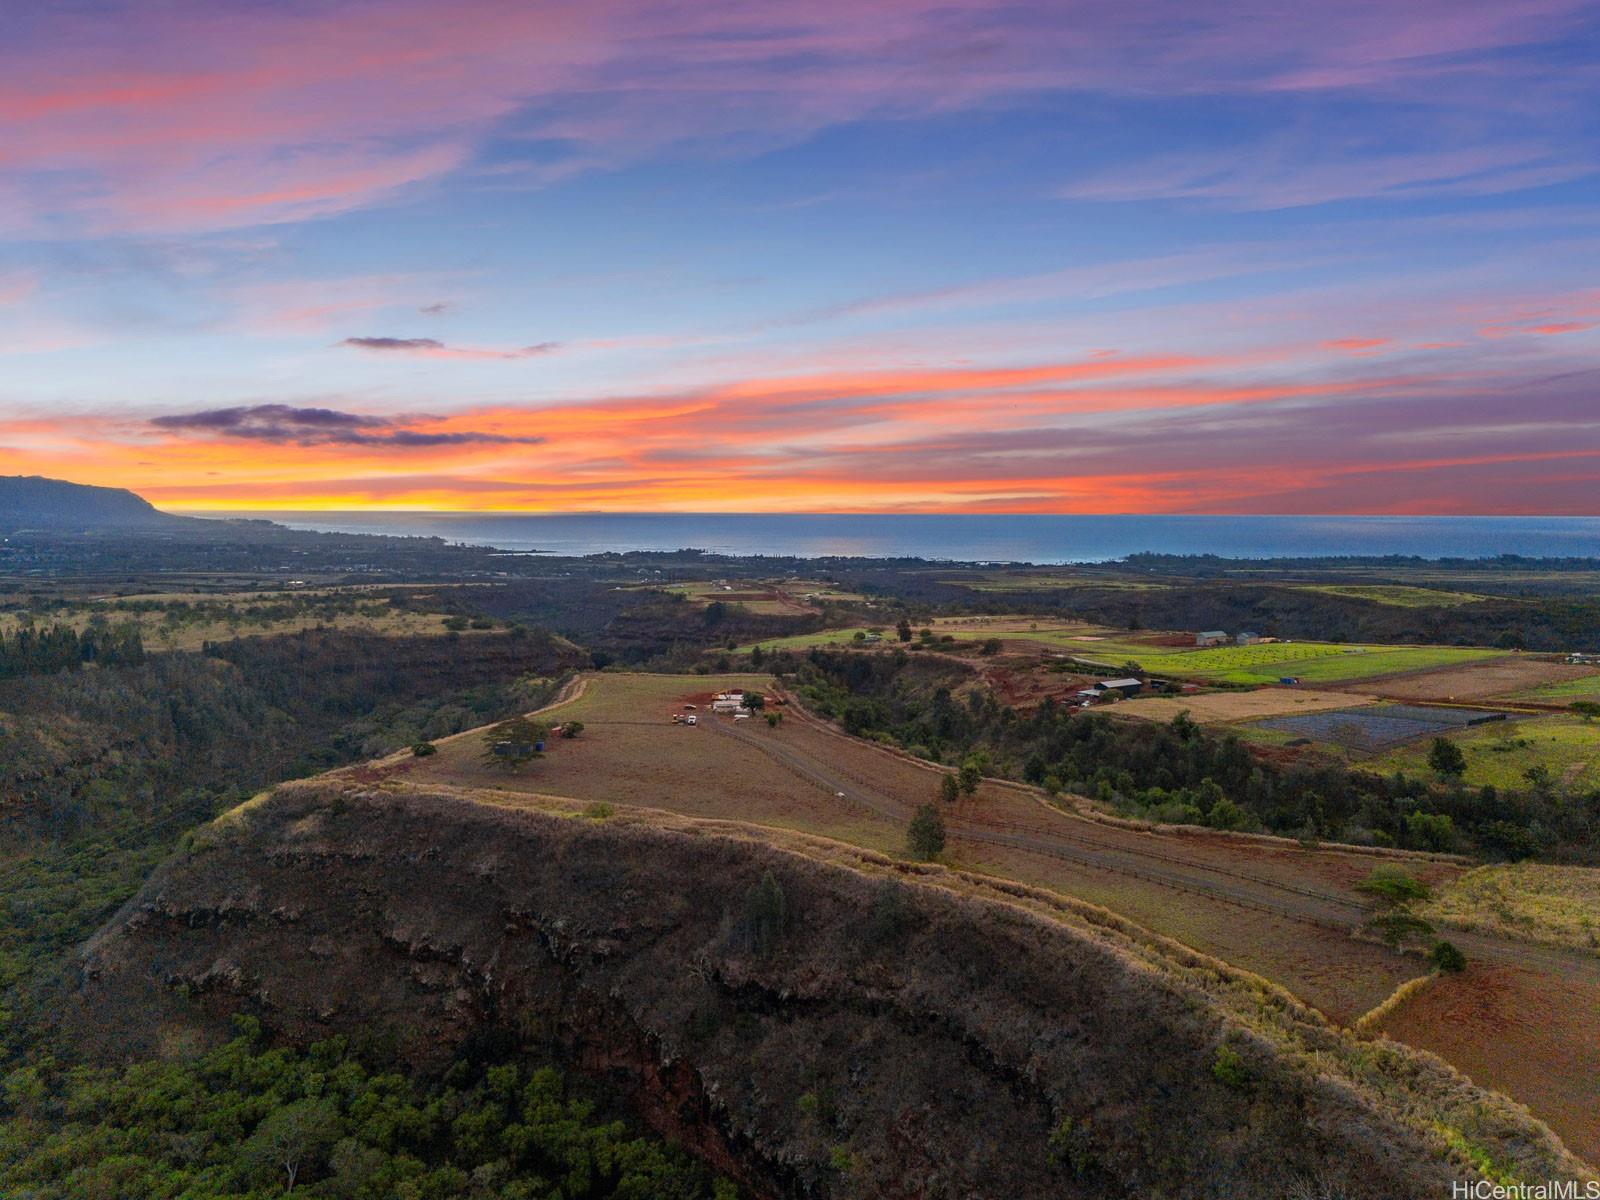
(34, 502)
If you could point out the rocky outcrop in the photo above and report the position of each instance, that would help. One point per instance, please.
(813, 1019)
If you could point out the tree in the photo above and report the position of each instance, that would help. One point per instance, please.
(949, 789)
(925, 834)
(294, 1137)
(424, 749)
(512, 743)
(1588, 709)
(903, 630)
(990, 646)
(754, 700)
(1446, 759)
(971, 776)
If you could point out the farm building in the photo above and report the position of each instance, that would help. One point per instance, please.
(727, 704)
(1128, 687)
(1211, 637)
(1580, 659)
(1246, 638)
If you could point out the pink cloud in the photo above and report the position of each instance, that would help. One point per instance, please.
(202, 114)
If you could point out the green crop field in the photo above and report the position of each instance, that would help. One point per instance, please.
(1395, 595)
(1311, 662)
(1500, 753)
(1587, 688)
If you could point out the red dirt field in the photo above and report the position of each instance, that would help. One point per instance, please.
(1526, 1033)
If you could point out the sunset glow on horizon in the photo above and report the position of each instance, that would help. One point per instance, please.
(897, 256)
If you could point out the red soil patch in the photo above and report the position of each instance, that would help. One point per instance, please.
(1532, 1035)
(1025, 688)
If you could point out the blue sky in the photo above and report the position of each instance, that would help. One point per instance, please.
(900, 256)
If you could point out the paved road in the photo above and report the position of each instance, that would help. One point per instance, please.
(1075, 839)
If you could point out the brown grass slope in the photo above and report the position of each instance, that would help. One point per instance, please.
(910, 1032)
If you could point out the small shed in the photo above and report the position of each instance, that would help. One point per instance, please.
(1211, 637)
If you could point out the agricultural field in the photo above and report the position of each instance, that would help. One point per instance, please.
(1566, 747)
(1558, 906)
(961, 629)
(1394, 595)
(1311, 662)
(1378, 726)
(1220, 708)
(1577, 687)
(630, 753)
(1531, 1033)
(755, 595)
(1046, 583)
(1507, 677)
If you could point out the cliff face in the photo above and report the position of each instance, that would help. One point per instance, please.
(852, 1031)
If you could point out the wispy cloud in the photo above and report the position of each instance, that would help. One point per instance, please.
(199, 114)
(286, 424)
(426, 347)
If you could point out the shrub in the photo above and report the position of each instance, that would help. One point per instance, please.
(571, 729)
(1447, 958)
(949, 789)
(1393, 886)
(1070, 1146)
(1229, 1069)
(424, 749)
(599, 811)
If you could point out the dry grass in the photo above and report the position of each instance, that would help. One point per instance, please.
(1224, 707)
(1557, 906)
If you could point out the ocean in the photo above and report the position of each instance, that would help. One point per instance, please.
(978, 538)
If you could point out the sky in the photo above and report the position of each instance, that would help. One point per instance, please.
(851, 255)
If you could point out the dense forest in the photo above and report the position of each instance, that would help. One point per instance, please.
(102, 771)
(1178, 772)
(245, 1121)
(30, 651)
